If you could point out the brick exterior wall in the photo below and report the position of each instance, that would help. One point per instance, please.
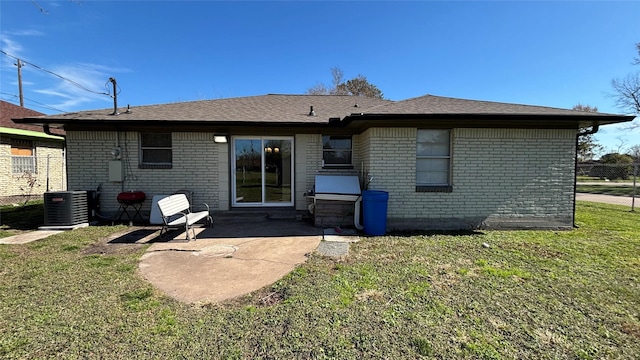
(502, 178)
(308, 164)
(199, 165)
(52, 174)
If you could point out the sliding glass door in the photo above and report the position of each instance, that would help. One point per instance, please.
(262, 171)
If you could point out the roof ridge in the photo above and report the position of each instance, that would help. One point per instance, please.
(488, 102)
(306, 95)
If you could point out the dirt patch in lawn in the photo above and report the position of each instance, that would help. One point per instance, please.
(125, 242)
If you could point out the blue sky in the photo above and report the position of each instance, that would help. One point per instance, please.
(555, 53)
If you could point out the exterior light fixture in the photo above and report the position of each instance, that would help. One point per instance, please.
(220, 138)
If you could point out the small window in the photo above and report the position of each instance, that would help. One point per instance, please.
(155, 151)
(433, 160)
(336, 151)
(23, 158)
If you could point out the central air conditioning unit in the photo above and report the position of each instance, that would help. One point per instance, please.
(65, 208)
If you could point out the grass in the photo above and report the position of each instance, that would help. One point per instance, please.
(16, 219)
(249, 187)
(530, 294)
(616, 190)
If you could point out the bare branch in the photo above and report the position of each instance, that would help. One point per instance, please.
(337, 74)
(635, 151)
(622, 142)
(586, 108)
(318, 89)
(627, 92)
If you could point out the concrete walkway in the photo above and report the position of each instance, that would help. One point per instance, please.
(608, 199)
(27, 237)
(605, 183)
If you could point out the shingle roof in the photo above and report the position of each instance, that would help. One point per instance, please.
(10, 111)
(294, 110)
(266, 108)
(429, 104)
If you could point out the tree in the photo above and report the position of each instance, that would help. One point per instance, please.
(358, 86)
(587, 145)
(615, 166)
(587, 108)
(616, 159)
(627, 90)
(322, 89)
(319, 89)
(634, 152)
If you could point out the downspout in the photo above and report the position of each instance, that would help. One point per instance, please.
(356, 214)
(47, 131)
(594, 129)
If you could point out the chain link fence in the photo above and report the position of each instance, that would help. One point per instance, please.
(609, 183)
(24, 178)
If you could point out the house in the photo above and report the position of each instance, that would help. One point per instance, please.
(31, 161)
(446, 163)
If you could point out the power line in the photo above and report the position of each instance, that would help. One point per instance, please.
(54, 74)
(42, 10)
(40, 105)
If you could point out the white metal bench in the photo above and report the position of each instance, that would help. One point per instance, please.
(176, 213)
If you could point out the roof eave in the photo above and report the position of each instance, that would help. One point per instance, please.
(61, 123)
(30, 134)
(363, 120)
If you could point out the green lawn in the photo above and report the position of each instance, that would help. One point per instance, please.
(531, 294)
(16, 219)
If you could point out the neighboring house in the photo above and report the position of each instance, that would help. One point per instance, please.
(446, 163)
(31, 161)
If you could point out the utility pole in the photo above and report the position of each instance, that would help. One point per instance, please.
(19, 65)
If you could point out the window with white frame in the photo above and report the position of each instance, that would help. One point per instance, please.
(433, 160)
(155, 150)
(23, 158)
(336, 151)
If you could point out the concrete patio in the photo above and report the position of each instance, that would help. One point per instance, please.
(237, 256)
(241, 253)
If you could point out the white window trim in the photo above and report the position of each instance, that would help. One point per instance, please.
(448, 187)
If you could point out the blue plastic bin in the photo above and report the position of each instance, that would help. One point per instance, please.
(374, 211)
